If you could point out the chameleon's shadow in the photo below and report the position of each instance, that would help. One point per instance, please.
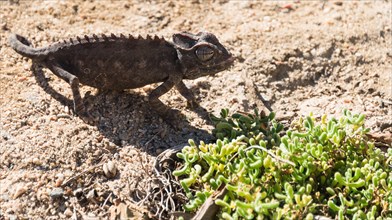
(124, 118)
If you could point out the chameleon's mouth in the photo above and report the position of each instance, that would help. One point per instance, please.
(212, 68)
(221, 65)
(231, 60)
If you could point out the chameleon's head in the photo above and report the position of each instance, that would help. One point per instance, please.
(201, 54)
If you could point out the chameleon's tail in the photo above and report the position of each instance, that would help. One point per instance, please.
(22, 46)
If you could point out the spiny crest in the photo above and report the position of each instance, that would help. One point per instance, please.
(95, 38)
(104, 37)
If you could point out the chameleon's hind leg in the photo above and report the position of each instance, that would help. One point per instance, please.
(74, 83)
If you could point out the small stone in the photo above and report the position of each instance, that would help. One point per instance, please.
(267, 18)
(59, 182)
(12, 217)
(313, 52)
(91, 194)
(110, 169)
(66, 109)
(337, 17)
(60, 176)
(117, 202)
(4, 198)
(26, 67)
(91, 215)
(307, 55)
(78, 192)
(4, 27)
(57, 193)
(339, 3)
(63, 116)
(19, 191)
(37, 161)
(99, 138)
(358, 57)
(68, 212)
(158, 151)
(68, 192)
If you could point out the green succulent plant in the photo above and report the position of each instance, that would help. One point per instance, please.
(321, 166)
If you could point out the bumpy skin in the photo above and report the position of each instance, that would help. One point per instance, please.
(120, 62)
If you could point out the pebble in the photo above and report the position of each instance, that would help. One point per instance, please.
(159, 150)
(37, 161)
(91, 194)
(109, 169)
(63, 116)
(4, 198)
(19, 191)
(78, 192)
(59, 182)
(358, 58)
(337, 17)
(267, 18)
(60, 176)
(313, 52)
(307, 55)
(339, 3)
(66, 110)
(12, 217)
(68, 212)
(57, 193)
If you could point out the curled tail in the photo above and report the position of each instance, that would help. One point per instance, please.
(22, 46)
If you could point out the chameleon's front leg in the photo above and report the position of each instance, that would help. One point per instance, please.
(166, 113)
(187, 93)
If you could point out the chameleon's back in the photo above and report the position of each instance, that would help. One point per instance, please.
(117, 62)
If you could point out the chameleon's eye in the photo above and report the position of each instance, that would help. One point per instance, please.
(204, 53)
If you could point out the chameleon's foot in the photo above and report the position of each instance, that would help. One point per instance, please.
(86, 117)
(82, 112)
(192, 104)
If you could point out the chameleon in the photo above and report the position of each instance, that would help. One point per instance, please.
(119, 62)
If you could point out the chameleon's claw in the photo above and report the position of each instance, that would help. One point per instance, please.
(86, 117)
(192, 104)
(83, 114)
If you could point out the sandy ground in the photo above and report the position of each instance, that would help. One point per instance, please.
(298, 56)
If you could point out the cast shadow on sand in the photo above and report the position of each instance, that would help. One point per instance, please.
(125, 119)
